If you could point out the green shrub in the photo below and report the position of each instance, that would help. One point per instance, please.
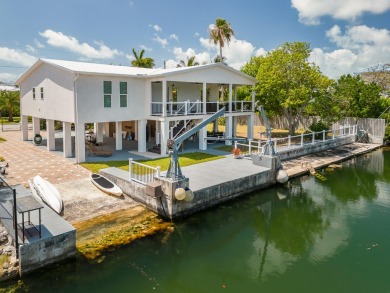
(319, 126)
(387, 133)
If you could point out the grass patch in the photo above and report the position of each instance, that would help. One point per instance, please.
(225, 148)
(2, 139)
(186, 159)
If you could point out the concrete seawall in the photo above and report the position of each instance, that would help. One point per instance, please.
(209, 191)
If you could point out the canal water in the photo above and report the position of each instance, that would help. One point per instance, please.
(329, 233)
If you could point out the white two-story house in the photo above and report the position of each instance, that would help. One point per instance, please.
(123, 100)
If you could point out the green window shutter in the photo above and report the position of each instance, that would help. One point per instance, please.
(123, 100)
(33, 90)
(123, 88)
(41, 93)
(107, 101)
(107, 87)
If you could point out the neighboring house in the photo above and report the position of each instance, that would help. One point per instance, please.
(121, 99)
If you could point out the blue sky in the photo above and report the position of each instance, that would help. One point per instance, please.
(346, 36)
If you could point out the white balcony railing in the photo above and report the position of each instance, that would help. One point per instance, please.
(196, 107)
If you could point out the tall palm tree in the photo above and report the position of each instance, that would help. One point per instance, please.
(221, 33)
(140, 61)
(10, 102)
(190, 62)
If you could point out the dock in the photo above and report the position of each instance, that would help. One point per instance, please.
(44, 237)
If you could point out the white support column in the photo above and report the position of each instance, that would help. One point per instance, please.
(253, 100)
(36, 126)
(164, 127)
(215, 125)
(95, 127)
(99, 131)
(106, 128)
(204, 97)
(250, 126)
(67, 139)
(142, 135)
(164, 98)
(202, 142)
(230, 97)
(135, 130)
(118, 139)
(80, 142)
(158, 132)
(234, 126)
(50, 135)
(24, 122)
(228, 129)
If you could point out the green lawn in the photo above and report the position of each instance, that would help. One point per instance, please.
(184, 160)
(225, 148)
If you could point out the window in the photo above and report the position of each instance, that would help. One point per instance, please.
(41, 93)
(107, 89)
(123, 93)
(33, 93)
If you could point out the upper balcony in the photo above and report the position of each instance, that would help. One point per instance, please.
(187, 108)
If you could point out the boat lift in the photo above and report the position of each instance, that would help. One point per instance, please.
(268, 148)
(173, 145)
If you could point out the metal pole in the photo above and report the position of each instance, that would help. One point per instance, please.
(15, 224)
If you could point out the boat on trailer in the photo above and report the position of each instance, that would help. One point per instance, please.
(48, 193)
(105, 184)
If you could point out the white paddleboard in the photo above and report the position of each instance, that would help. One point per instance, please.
(105, 185)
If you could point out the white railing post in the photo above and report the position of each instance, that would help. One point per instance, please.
(217, 106)
(185, 107)
(258, 146)
(289, 141)
(250, 146)
(313, 137)
(332, 134)
(130, 168)
(276, 145)
(158, 171)
(242, 106)
(323, 135)
(301, 139)
(235, 144)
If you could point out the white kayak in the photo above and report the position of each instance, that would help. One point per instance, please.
(105, 185)
(48, 193)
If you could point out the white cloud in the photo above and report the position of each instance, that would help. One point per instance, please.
(360, 47)
(16, 57)
(31, 49)
(58, 39)
(38, 44)
(310, 11)
(237, 53)
(170, 63)
(174, 37)
(146, 48)
(196, 34)
(260, 52)
(162, 42)
(156, 27)
(131, 3)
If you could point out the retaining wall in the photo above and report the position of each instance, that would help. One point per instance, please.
(167, 205)
(42, 252)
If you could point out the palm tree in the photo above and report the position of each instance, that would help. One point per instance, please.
(190, 62)
(221, 33)
(10, 102)
(218, 59)
(140, 61)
